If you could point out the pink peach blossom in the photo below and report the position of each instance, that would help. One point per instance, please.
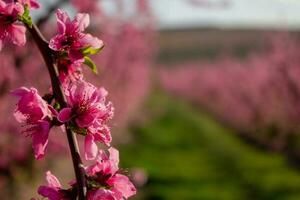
(10, 30)
(105, 171)
(87, 107)
(31, 107)
(122, 186)
(34, 112)
(70, 35)
(53, 190)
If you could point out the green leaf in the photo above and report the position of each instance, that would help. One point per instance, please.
(78, 130)
(90, 50)
(26, 18)
(88, 61)
(56, 106)
(63, 54)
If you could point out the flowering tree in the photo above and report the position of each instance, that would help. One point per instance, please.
(73, 104)
(259, 96)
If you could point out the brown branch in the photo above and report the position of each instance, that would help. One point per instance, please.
(49, 58)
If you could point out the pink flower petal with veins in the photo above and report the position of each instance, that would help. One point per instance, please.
(65, 115)
(40, 134)
(90, 147)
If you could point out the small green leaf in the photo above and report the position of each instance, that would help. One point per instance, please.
(90, 50)
(26, 18)
(57, 106)
(90, 64)
(78, 130)
(63, 54)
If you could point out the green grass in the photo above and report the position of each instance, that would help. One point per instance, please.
(190, 156)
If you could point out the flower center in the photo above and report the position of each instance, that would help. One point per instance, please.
(81, 107)
(68, 41)
(63, 65)
(7, 19)
(99, 180)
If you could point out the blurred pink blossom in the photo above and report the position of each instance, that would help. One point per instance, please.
(10, 30)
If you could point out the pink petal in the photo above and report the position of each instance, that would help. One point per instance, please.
(20, 91)
(114, 155)
(61, 27)
(18, 9)
(86, 119)
(20, 117)
(40, 138)
(2, 5)
(31, 105)
(89, 40)
(76, 56)
(122, 185)
(82, 21)
(52, 180)
(90, 147)
(103, 135)
(101, 194)
(34, 4)
(8, 8)
(49, 192)
(100, 94)
(62, 19)
(65, 115)
(56, 42)
(93, 169)
(18, 35)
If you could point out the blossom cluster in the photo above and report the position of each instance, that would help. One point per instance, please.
(103, 181)
(87, 112)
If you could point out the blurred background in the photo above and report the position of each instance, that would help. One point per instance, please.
(207, 97)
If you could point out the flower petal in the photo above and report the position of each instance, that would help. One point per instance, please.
(62, 19)
(90, 147)
(20, 91)
(82, 21)
(17, 33)
(76, 56)
(101, 194)
(89, 40)
(56, 42)
(40, 134)
(65, 115)
(114, 155)
(122, 185)
(34, 4)
(52, 180)
(49, 192)
(1, 44)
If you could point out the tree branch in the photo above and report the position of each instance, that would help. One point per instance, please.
(49, 58)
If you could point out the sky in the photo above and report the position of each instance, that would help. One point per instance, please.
(258, 14)
(236, 13)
